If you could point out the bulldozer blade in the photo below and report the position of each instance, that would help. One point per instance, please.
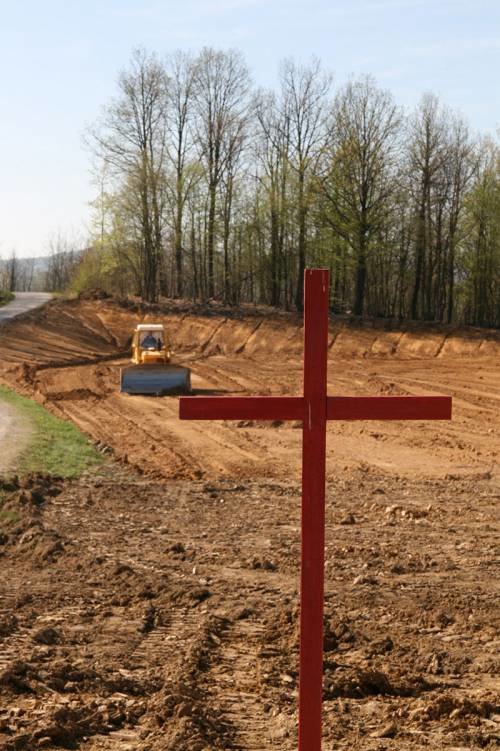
(157, 380)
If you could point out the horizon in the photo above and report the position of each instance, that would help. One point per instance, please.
(409, 46)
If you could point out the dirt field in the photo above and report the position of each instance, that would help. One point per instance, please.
(154, 607)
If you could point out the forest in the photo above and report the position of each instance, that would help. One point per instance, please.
(208, 188)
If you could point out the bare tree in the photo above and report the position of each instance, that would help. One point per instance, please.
(131, 139)
(304, 91)
(12, 272)
(64, 255)
(25, 274)
(462, 165)
(181, 87)
(273, 156)
(427, 153)
(221, 94)
(360, 181)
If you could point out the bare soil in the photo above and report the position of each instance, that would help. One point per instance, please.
(155, 606)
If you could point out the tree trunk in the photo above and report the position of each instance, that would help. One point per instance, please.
(227, 228)
(178, 236)
(179, 287)
(359, 294)
(419, 260)
(275, 287)
(299, 294)
(211, 240)
(451, 282)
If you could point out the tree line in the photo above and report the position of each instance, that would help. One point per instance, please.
(53, 272)
(208, 188)
(16, 274)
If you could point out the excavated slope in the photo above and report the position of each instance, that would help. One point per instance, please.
(81, 330)
(69, 354)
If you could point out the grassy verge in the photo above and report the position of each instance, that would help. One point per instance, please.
(56, 446)
(6, 297)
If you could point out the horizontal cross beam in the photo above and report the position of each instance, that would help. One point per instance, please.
(388, 408)
(241, 408)
(295, 408)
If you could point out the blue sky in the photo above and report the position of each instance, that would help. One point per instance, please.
(59, 62)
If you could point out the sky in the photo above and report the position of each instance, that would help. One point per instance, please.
(60, 59)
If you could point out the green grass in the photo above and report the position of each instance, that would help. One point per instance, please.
(9, 517)
(6, 297)
(55, 447)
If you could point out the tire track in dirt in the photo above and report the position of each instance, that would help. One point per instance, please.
(234, 676)
(11, 646)
(161, 648)
(157, 644)
(181, 447)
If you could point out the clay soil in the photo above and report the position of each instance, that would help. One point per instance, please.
(154, 606)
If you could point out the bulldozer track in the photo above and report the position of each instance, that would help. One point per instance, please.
(11, 645)
(235, 677)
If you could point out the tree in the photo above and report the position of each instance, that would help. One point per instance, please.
(361, 179)
(12, 272)
(221, 96)
(479, 256)
(461, 166)
(130, 139)
(272, 151)
(64, 256)
(182, 77)
(304, 92)
(427, 156)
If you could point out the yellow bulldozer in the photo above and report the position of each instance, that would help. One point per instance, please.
(151, 371)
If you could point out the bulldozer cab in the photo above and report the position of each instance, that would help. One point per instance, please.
(149, 344)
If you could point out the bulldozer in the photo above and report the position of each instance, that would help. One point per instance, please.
(151, 371)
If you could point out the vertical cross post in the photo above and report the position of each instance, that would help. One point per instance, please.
(313, 509)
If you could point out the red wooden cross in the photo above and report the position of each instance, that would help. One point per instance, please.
(314, 408)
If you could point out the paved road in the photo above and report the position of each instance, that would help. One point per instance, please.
(14, 431)
(23, 302)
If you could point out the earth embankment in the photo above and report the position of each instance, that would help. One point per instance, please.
(69, 355)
